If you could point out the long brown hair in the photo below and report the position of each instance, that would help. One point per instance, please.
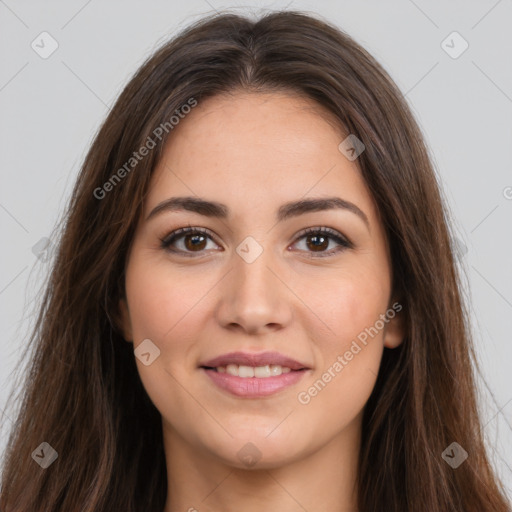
(82, 394)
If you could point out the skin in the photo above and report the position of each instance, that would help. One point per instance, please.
(253, 152)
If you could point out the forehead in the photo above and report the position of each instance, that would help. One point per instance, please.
(253, 149)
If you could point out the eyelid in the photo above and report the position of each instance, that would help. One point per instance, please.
(334, 233)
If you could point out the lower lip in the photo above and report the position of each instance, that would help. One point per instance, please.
(254, 387)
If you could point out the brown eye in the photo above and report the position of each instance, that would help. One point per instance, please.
(317, 240)
(194, 240)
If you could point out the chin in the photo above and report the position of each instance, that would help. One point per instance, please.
(257, 450)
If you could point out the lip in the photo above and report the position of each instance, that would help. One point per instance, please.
(252, 359)
(254, 387)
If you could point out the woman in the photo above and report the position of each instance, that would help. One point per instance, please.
(254, 304)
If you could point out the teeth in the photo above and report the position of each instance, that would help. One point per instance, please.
(261, 372)
(244, 371)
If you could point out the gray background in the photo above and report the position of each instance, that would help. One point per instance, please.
(52, 107)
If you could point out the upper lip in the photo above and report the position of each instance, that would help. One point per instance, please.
(251, 359)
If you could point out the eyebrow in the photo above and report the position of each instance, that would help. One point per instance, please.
(286, 211)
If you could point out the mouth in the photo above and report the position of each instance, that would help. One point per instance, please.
(252, 375)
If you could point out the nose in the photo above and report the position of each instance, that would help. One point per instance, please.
(254, 297)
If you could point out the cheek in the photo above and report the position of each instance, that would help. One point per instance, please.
(161, 303)
(164, 308)
(350, 303)
(350, 355)
(351, 306)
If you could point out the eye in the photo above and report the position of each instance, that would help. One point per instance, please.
(318, 239)
(195, 240)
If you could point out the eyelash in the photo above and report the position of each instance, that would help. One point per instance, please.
(332, 234)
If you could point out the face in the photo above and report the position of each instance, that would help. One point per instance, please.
(313, 285)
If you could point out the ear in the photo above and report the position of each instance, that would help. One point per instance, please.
(395, 330)
(123, 321)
